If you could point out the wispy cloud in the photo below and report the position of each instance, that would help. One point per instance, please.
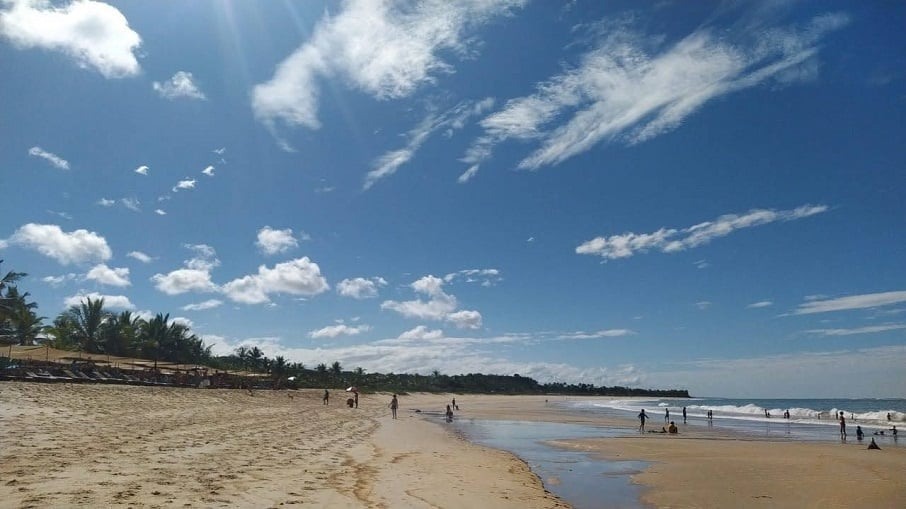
(627, 89)
(484, 277)
(142, 170)
(761, 304)
(184, 184)
(104, 202)
(333, 331)
(385, 49)
(180, 86)
(669, 240)
(451, 120)
(138, 255)
(95, 34)
(871, 329)
(131, 204)
(868, 300)
(421, 332)
(160, 212)
(209, 171)
(604, 333)
(50, 157)
(703, 305)
(208, 304)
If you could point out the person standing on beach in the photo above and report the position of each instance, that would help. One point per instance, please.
(356, 396)
(449, 414)
(842, 426)
(642, 417)
(666, 414)
(454, 404)
(394, 404)
(326, 397)
(684, 415)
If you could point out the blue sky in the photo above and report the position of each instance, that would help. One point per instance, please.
(704, 195)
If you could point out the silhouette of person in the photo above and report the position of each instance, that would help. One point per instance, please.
(454, 404)
(666, 414)
(356, 398)
(326, 397)
(449, 414)
(642, 417)
(859, 433)
(842, 426)
(672, 428)
(873, 445)
(684, 415)
(394, 404)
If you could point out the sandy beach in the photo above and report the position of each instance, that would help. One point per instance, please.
(120, 446)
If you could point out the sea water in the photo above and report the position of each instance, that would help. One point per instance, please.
(809, 419)
(576, 477)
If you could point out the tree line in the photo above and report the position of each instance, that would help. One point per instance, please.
(89, 327)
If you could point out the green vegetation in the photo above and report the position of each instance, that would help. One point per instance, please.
(88, 327)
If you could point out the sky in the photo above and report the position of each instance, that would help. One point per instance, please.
(701, 195)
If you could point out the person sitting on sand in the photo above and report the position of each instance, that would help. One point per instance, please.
(873, 445)
(859, 433)
(672, 429)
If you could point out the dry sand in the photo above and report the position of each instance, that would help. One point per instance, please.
(65, 445)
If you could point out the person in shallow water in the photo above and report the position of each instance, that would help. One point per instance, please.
(642, 417)
(859, 433)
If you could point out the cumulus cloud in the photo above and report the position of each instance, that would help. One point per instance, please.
(109, 276)
(53, 159)
(79, 246)
(669, 240)
(194, 277)
(184, 184)
(333, 331)
(385, 49)
(868, 300)
(110, 301)
(180, 86)
(629, 88)
(271, 241)
(360, 288)
(208, 304)
(95, 34)
(142, 170)
(138, 255)
(209, 171)
(160, 212)
(421, 332)
(449, 121)
(440, 306)
(295, 277)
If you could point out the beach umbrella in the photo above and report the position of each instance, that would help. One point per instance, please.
(352, 389)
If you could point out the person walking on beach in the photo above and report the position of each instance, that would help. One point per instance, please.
(449, 414)
(842, 426)
(394, 404)
(326, 397)
(684, 415)
(454, 404)
(642, 417)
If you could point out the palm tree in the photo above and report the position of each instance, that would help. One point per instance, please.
(255, 356)
(8, 303)
(88, 317)
(121, 334)
(27, 325)
(336, 369)
(321, 368)
(154, 336)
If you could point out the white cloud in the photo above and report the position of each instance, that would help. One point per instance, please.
(623, 91)
(79, 246)
(180, 86)
(209, 171)
(703, 304)
(57, 281)
(761, 304)
(109, 276)
(295, 277)
(701, 264)
(208, 304)
(104, 202)
(184, 280)
(485, 277)
(50, 157)
(386, 49)
(605, 333)
(142, 170)
(421, 332)
(110, 301)
(138, 255)
(93, 33)
(869, 300)
(160, 212)
(440, 306)
(451, 120)
(271, 241)
(184, 184)
(468, 174)
(131, 204)
(360, 288)
(195, 277)
(871, 329)
(333, 331)
(182, 321)
(672, 240)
